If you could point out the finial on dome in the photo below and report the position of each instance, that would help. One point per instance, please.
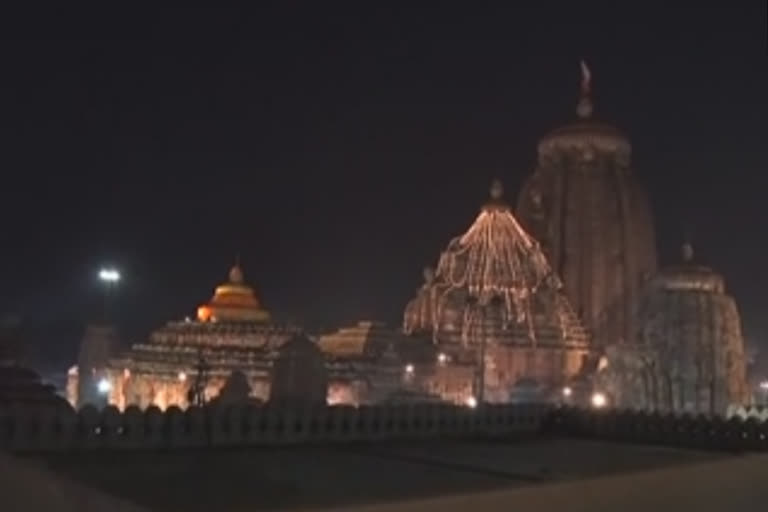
(429, 274)
(497, 190)
(236, 272)
(687, 252)
(584, 108)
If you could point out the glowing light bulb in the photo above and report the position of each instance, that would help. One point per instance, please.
(104, 386)
(599, 400)
(442, 358)
(471, 402)
(409, 369)
(182, 377)
(567, 391)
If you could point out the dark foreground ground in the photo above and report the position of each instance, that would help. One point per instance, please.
(335, 476)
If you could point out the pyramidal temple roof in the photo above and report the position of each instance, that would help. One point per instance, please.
(495, 262)
(495, 257)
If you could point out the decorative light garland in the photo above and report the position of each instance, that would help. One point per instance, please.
(495, 260)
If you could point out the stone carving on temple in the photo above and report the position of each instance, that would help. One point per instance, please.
(493, 305)
(593, 220)
(690, 351)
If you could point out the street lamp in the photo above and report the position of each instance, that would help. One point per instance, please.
(109, 275)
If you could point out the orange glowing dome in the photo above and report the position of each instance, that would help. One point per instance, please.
(233, 301)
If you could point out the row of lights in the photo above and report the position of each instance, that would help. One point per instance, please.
(104, 386)
(598, 399)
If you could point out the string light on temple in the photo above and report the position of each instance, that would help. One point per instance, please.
(494, 263)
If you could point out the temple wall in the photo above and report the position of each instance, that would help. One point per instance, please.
(32, 430)
(452, 383)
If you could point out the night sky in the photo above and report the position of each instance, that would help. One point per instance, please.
(339, 151)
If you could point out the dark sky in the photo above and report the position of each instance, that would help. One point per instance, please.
(339, 151)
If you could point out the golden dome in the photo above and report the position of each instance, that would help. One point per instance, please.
(233, 301)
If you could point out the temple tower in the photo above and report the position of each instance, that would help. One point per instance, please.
(692, 329)
(593, 220)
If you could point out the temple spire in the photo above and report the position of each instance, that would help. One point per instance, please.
(584, 108)
(497, 190)
(687, 252)
(236, 272)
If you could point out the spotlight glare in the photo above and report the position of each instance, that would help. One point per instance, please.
(109, 275)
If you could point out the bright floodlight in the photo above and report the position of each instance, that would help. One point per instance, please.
(409, 369)
(599, 400)
(109, 275)
(764, 385)
(567, 391)
(442, 358)
(104, 386)
(182, 377)
(471, 402)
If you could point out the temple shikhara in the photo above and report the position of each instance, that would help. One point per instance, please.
(524, 305)
(593, 220)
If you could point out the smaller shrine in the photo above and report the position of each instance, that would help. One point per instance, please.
(231, 333)
(689, 350)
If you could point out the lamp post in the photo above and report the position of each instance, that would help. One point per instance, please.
(110, 277)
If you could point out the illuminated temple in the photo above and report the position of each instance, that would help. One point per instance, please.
(233, 334)
(232, 331)
(496, 313)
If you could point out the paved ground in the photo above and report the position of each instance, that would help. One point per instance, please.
(334, 476)
(25, 487)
